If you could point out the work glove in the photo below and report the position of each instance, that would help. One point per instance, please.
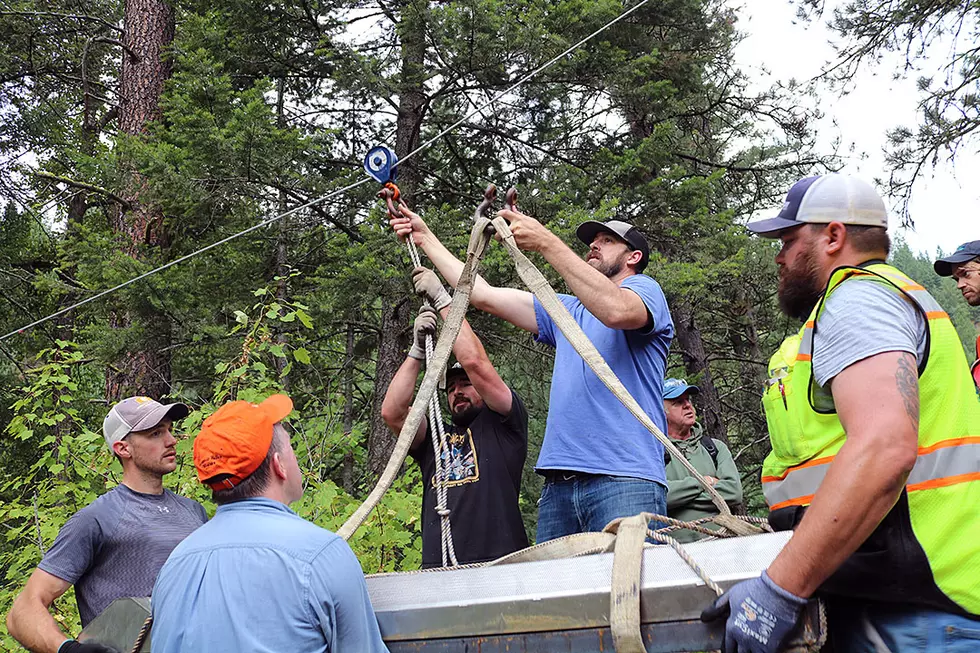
(74, 646)
(428, 284)
(425, 323)
(761, 616)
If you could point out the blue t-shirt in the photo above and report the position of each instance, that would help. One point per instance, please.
(260, 578)
(589, 430)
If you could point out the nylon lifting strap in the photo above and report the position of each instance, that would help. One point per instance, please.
(539, 286)
(430, 381)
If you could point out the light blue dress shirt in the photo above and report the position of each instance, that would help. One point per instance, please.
(258, 578)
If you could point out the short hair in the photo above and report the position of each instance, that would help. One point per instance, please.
(255, 483)
(865, 238)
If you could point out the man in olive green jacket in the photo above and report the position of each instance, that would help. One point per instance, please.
(686, 500)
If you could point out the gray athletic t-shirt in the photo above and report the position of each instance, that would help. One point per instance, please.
(862, 318)
(115, 546)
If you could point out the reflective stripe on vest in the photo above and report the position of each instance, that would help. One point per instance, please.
(946, 463)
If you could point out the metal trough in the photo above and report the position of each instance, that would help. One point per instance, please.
(532, 607)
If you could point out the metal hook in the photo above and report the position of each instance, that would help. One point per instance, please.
(488, 197)
(391, 194)
(510, 199)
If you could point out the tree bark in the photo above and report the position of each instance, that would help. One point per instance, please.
(391, 352)
(149, 31)
(688, 338)
(412, 101)
(282, 246)
(347, 472)
(394, 307)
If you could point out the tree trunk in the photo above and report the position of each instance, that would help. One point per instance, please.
(412, 101)
(149, 30)
(688, 338)
(282, 247)
(347, 472)
(394, 307)
(391, 353)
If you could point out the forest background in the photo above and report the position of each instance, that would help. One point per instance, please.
(133, 133)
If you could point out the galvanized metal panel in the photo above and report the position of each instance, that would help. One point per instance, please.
(119, 624)
(670, 637)
(558, 595)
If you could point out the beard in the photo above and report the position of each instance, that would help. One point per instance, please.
(464, 413)
(610, 268)
(799, 291)
(152, 464)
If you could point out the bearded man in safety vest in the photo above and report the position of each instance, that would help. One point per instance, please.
(875, 434)
(964, 266)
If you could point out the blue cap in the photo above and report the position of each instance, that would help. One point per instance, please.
(965, 252)
(674, 388)
(824, 199)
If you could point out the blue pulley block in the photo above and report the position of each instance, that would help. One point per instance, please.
(381, 164)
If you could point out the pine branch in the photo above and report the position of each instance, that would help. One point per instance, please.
(84, 186)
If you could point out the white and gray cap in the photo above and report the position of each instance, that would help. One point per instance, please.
(824, 199)
(138, 414)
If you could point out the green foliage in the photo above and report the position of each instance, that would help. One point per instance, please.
(936, 42)
(271, 106)
(53, 466)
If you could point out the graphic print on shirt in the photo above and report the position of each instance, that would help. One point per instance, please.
(459, 462)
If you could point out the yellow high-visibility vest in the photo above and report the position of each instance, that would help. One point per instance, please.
(932, 536)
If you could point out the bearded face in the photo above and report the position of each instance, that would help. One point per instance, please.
(800, 285)
(608, 254)
(464, 401)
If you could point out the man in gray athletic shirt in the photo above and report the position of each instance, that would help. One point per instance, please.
(115, 546)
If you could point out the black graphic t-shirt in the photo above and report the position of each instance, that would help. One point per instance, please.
(483, 467)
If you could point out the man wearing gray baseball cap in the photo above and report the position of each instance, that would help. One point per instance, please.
(115, 546)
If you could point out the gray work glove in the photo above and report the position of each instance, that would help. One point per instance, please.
(428, 284)
(425, 323)
(761, 616)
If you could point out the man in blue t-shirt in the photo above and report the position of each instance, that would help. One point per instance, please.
(115, 546)
(598, 461)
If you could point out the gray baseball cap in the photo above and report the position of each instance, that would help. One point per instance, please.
(138, 414)
(588, 230)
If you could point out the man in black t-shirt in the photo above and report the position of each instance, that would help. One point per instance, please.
(486, 443)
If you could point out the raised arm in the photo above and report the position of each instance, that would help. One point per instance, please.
(30, 621)
(515, 306)
(616, 307)
(473, 357)
(467, 347)
(877, 400)
(398, 398)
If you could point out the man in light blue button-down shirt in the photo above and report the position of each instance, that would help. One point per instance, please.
(258, 577)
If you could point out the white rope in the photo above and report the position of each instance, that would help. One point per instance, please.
(479, 108)
(440, 447)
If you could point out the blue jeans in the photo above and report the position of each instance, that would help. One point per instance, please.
(870, 627)
(579, 503)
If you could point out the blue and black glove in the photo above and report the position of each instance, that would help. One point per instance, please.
(74, 646)
(761, 616)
